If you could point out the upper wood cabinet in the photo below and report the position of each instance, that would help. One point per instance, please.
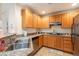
(55, 18)
(27, 18)
(67, 20)
(35, 21)
(45, 22)
(39, 22)
(58, 18)
(52, 19)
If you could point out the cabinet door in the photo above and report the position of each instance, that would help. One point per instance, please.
(65, 20)
(35, 21)
(23, 19)
(40, 41)
(58, 43)
(68, 44)
(39, 23)
(27, 18)
(58, 18)
(52, 41)
(51, 19)
(45, 22)
(45, 41)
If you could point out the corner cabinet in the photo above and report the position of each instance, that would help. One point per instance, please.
(27, 21)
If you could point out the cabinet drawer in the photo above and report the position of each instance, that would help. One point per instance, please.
(67, 42)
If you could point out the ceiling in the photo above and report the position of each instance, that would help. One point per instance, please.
(49, 7)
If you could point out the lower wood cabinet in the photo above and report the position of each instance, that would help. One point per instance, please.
(52, 40)
(58, 42)
(67, 44)
(46, 40)
(40, 41)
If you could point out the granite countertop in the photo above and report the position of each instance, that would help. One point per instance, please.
(6, 35)
(59, 35)
(19, 52)
(35, 35)
(24, 52)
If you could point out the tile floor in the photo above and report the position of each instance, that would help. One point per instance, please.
(51, 52)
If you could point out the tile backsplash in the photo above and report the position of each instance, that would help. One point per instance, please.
(30, 30)
(56, 29)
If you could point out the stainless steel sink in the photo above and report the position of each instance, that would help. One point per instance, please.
(19, 44)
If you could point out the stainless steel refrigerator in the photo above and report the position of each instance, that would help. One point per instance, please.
(75, 35)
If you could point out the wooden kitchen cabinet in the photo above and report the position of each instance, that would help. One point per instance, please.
(56, 18)
(51, 19)
(39, 22)
(27, 18)
(35, 21)
(67, 20)
(45, 40)
(40, 41)
(59, 43)
(52, 40)
(30, 20)
(49, 41)
(45, 22)
(67, 44)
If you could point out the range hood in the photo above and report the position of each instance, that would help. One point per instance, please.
(55, 24)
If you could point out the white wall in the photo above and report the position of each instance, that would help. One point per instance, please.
(18, 19)
(4, 16)
(11, 13)
(15, 20)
